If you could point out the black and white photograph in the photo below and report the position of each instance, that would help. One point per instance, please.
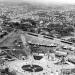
(37, 37)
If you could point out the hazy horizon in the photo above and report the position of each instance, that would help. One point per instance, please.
(43, 1)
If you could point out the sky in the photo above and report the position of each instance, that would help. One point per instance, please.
(47, 1)
(55, 1)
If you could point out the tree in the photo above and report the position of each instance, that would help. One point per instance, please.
(32, 22)
(67, 31)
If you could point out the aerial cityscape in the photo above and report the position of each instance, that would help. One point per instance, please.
(37, 38)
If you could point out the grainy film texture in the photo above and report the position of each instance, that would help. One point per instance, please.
(37, 37)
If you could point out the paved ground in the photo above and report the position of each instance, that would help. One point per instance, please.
(49, 68)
